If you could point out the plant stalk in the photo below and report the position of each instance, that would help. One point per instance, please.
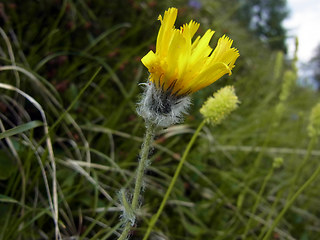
(173, 181)
(291, 201)
(147, 142)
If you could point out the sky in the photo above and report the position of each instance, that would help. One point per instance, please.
(303, 22)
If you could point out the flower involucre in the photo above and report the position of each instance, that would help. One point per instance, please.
(180, 67)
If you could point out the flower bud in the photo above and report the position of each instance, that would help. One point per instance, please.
(314, 122)
(288, 82)
(277, 162)
(218, 107)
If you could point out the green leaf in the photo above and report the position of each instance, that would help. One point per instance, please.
(6, 199)
(192, 228)
(21, 128)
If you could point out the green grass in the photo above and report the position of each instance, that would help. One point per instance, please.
(70, 135)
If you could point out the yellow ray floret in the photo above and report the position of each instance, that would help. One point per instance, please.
(181, 66)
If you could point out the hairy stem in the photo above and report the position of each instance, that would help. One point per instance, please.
(173, 181)
(139, 175)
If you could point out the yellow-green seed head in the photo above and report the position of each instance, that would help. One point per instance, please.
(218, 107)
(277, 162)
(280, 108)
(288, 83)
(278, 65)
(314, 122)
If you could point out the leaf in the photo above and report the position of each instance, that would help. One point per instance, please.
(6, 199)
(21, 128)
(192, 228)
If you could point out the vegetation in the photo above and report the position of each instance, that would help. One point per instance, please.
(315, 67)
(70, 136)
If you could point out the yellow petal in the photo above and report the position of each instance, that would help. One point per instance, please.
(202, 49)
(188, 30)
(209, 76)
(182, 67)
(195, 43)
(149, 59)
(224, 44)
(166, 31)
(152, 62)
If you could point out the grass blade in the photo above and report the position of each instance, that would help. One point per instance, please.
(20, 129)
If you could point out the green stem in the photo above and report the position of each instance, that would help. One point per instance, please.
(301, 166)
(173, 181)
(139, 175)
(142, 164)
(126, 231)
(271, 211)
(290, 202)
(256, 204)
(293, 182)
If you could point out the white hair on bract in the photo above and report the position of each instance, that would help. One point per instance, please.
(161, 107)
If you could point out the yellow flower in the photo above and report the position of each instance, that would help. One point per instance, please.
(180, 66)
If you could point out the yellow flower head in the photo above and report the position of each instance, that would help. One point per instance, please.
(180, 66)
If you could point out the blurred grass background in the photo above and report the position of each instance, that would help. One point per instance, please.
(56, 115)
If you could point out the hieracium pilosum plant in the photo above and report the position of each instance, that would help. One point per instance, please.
(178, 68)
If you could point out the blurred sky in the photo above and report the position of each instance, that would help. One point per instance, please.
(303, 22)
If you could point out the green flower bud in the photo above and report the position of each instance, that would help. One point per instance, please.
(314, 122)
(278, 65)
(218, 107)
(277, 162)
(288, 82)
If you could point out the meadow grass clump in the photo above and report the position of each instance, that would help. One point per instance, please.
(70, 135)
